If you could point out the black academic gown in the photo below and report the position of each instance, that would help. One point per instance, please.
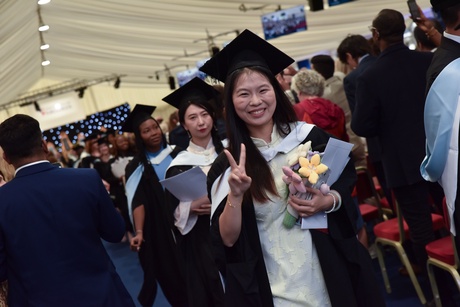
(159, 255)
(204, 287)
(345, 263)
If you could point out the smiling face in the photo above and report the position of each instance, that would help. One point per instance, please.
(254, 100)
(199, 123)
(122, 142)
(151, 135)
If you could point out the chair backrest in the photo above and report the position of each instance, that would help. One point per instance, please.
(365, 189)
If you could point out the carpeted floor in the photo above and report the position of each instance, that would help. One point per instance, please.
(130, 271)
(403, 293)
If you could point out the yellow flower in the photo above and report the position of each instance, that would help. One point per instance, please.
(312, 168)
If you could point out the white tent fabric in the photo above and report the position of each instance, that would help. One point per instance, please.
(93, 38)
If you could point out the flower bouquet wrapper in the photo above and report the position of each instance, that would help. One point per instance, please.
(316, 170)
(292, 217)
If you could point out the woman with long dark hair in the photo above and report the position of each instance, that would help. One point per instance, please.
(265, 263)
(153, 226)
(195, 102)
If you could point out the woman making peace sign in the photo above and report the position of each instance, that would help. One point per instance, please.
(263, 263)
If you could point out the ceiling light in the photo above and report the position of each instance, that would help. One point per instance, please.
(44, 46)
(37, 106)
(46, 62)
(42, 2)
(81, 91)
(43, 28)
(117, 83)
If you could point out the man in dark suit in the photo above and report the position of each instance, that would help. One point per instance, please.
(390, 106)
(356, 52)
(51, 224)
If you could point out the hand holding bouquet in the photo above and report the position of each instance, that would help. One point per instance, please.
(305, 169)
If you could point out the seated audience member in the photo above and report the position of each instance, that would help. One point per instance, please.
(50, 239)
(309, 86)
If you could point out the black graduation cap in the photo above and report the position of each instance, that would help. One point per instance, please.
(92, 136)
(442, 4)
(138, 115)
(194, 90)
(246, 50)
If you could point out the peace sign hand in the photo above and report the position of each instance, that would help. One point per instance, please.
(238, 180)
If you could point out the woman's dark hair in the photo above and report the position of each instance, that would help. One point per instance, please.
(238, 133)
(206, 105)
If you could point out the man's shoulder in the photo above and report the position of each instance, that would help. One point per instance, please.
(76, 173)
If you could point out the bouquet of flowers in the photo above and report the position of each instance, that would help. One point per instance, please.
(305, 169)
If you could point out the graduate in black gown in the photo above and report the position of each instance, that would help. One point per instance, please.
(153, 238)
(263, 262)
(192, 218)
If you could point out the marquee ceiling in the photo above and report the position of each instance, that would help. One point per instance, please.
(90, 39)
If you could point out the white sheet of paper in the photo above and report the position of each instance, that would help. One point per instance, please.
(317, 221)
(336, 157)
(187, 186)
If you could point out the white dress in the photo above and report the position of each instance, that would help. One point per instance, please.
(290, 256)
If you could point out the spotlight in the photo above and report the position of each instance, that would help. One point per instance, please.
(43, 27)
(81, 92)
(44, 46)
(37, 106)
(46, 62)
(172, 83)
(42, 2)
(117, 83)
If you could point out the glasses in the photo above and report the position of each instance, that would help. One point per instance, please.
(373, 29)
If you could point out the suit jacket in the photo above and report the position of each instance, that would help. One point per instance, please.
(334, 91)
(448, 51)
(390, 104)
(350, 81)
(51, 224)
(349, 84)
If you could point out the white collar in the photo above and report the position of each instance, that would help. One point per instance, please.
(30, 164)
(455, 38)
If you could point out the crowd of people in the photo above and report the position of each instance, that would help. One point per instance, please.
(224, 242)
